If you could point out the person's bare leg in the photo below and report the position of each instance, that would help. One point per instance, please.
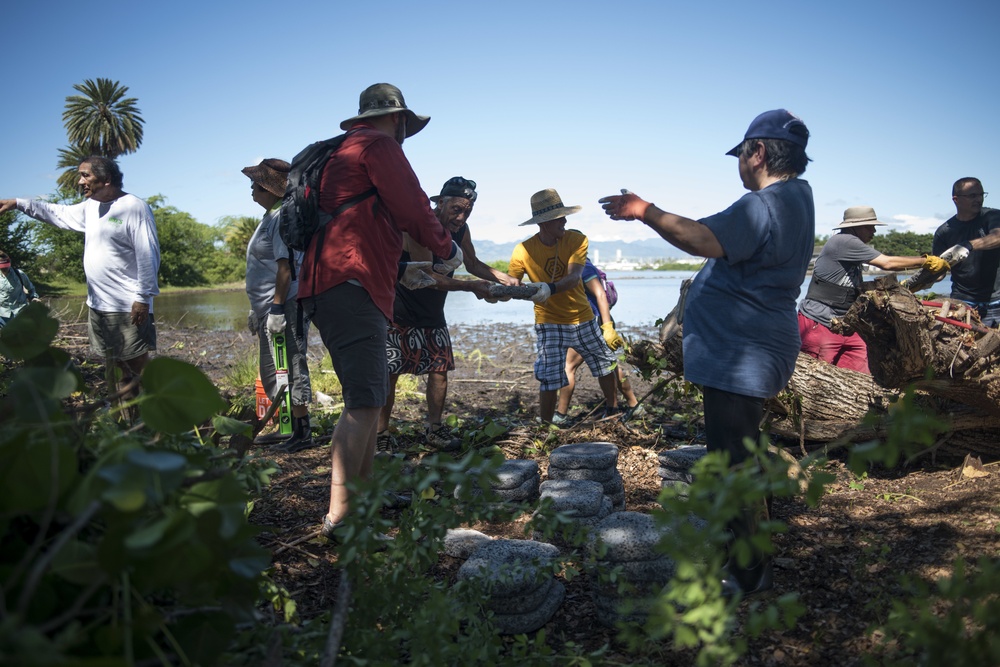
(351, 454)
(626, 389)
(573, 361)
(546, 404)
(609, 386)
(390, 400)
(131, 369)
(437, 390)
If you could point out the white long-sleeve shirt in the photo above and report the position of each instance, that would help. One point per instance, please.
(121, 255)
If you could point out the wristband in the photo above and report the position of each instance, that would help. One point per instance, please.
(277, 309)
(967, 245)
(552, 288)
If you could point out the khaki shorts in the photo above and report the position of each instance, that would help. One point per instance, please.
(114, 334)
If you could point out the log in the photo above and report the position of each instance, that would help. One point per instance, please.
(910, 343)
(823, 403)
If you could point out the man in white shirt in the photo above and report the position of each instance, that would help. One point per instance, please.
(121, 259)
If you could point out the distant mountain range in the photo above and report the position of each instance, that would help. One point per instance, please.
(606, 251)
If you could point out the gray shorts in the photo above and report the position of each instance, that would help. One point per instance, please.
(353, 330)
(296, 346)
(114, 334)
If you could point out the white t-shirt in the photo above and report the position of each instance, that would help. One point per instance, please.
(121, 255)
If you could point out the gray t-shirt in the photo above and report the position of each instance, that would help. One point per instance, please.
(839, 263)
(263, 252)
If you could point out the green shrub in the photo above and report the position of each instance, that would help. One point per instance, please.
(117, 547)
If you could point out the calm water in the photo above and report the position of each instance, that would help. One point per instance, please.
(643, 297)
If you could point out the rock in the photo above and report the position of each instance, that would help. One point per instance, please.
(461, 543)
(510, 567)
(516, 624)
(592, 455)
(515, 472)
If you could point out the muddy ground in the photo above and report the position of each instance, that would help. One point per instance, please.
(842, 557)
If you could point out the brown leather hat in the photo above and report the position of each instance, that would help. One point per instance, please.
(271, 174)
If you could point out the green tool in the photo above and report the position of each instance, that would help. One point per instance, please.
(283, 390)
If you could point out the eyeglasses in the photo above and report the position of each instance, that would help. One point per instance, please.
(974, 195)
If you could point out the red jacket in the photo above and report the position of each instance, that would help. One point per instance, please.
(365, 241)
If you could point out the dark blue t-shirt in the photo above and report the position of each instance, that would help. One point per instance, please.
(740, 325)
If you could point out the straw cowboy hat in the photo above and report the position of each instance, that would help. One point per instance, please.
(384, 98)
(859, 216)
(271, 174)
(547, 205)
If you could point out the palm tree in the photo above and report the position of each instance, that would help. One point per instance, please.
(100, 121)
(69, 159)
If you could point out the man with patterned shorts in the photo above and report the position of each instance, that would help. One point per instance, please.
(553, 259)
(418, 342)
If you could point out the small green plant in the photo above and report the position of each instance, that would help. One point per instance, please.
(955, 621)
(858, 483)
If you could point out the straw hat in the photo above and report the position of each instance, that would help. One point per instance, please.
(547, 205)
(271, 174)
(384, 98)
(859, 216)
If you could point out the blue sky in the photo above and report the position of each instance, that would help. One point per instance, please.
(586, 97)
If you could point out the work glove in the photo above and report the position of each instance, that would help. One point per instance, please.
(935, 264)
(543, 293)
(454, 260)
(612, 337)
(415, 275)
(956, 253)
(276, 319)
(252, 323)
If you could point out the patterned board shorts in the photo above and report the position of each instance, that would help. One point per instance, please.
(418, 350)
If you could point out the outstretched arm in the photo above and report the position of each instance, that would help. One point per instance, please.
(689, 235)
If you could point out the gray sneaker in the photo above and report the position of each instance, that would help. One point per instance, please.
(635, 411)
(559, 419)
(385, 444)
(441, 438)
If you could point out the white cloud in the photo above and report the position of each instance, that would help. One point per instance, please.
(914, 223)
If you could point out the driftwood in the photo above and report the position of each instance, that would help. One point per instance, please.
(954, 372)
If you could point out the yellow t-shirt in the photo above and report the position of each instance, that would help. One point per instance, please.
(547, 264)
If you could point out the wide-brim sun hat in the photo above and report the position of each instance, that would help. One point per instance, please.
(775, 124)
(859, 216)
(548, 205)
(380, 99)
(271, 174)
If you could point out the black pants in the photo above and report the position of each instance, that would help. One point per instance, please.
(729, 418)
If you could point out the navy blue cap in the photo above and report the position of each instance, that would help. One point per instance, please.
(458, 187)
(776, 124)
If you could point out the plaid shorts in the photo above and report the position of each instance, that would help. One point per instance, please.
(554, 339)
(418, 350)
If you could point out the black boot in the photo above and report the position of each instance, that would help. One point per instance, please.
(758, 576)
(301, 437)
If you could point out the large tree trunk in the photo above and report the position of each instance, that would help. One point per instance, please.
(823, 403)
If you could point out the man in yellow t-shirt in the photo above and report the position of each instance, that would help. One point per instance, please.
(554, 259)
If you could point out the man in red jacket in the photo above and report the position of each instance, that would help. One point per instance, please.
(348, 276)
